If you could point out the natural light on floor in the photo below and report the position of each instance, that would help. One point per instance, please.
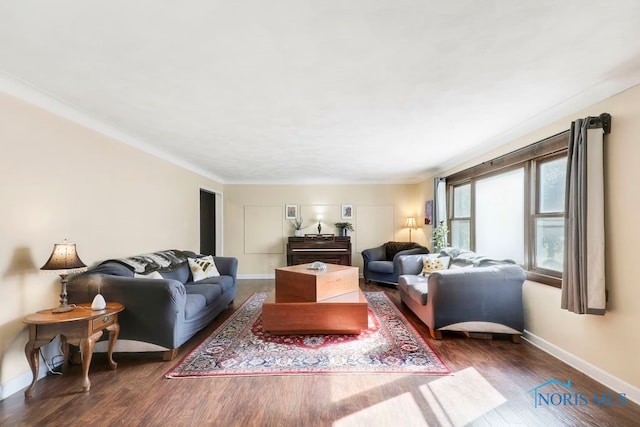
(461, 398)
(344, 387)
(454, 400)
(386, 413)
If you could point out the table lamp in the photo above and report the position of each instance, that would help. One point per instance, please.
(64, 260)
(410, 223)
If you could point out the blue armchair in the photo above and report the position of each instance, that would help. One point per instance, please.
(381, 264)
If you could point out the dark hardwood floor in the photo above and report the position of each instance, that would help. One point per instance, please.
(489, 387)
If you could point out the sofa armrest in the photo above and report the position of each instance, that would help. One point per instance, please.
(410, 264)
(153, 307)
(491, 294)
(374, 254)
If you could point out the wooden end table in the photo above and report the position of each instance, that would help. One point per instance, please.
(82, 327)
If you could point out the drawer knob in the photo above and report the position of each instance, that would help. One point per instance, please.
(105, 319)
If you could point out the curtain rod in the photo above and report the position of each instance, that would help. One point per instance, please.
(602, 121)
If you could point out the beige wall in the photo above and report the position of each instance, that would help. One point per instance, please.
(61, 180)
(242, 202)
(609, 343)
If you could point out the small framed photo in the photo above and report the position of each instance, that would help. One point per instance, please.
(347, 211)
(428, 212)
(291, 211)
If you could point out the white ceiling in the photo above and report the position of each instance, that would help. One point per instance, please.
(331, 91)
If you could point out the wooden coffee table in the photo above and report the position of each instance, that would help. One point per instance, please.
(315, 302)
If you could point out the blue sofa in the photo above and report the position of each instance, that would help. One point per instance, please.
(381, 263)
(474, 294)
(160, 314)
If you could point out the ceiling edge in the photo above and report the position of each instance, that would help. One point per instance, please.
(412, 181)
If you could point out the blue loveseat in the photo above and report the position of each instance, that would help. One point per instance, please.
(475, 294)
(160, 314)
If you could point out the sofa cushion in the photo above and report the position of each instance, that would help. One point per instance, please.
(385, 267)
(415, 287)
(181, 274)
(392, 248)
(210, 291)
(204, 267)
(225, 282)
(193, 305)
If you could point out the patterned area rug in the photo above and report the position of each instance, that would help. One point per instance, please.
(240, 347)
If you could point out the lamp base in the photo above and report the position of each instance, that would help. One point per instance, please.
(63, 309)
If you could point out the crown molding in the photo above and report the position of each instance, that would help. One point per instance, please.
(49, 102)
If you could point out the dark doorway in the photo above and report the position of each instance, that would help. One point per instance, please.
(207, 223)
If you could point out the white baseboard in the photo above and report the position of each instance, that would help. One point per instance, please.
(614, 383)
(257, 276)
(20, 382)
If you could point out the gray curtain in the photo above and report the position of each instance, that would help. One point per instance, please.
(439, 205)
(583, 282)
(439, 201)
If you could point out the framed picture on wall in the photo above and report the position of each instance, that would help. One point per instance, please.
(347, 211)
(428, 212)
(291, 211)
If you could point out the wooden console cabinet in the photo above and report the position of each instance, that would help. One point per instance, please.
(329, 249)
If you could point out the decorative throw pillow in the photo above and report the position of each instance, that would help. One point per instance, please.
(152, 275)
(431, 264)
(204, 267)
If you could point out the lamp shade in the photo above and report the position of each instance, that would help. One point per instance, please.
(410, 223)
(64, 259)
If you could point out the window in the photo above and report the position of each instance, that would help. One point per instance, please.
(548, 216)
(461, 217)
(499, 219)
(512, 207)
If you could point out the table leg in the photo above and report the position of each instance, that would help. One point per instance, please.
(114, 331)
(65, 352)
(33, 357)
(86, 348)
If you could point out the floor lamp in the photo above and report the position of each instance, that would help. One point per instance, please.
(410, 224)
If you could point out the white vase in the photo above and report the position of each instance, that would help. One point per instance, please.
(297, 233)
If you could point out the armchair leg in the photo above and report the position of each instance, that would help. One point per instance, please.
(515, 338)
(435, 334)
